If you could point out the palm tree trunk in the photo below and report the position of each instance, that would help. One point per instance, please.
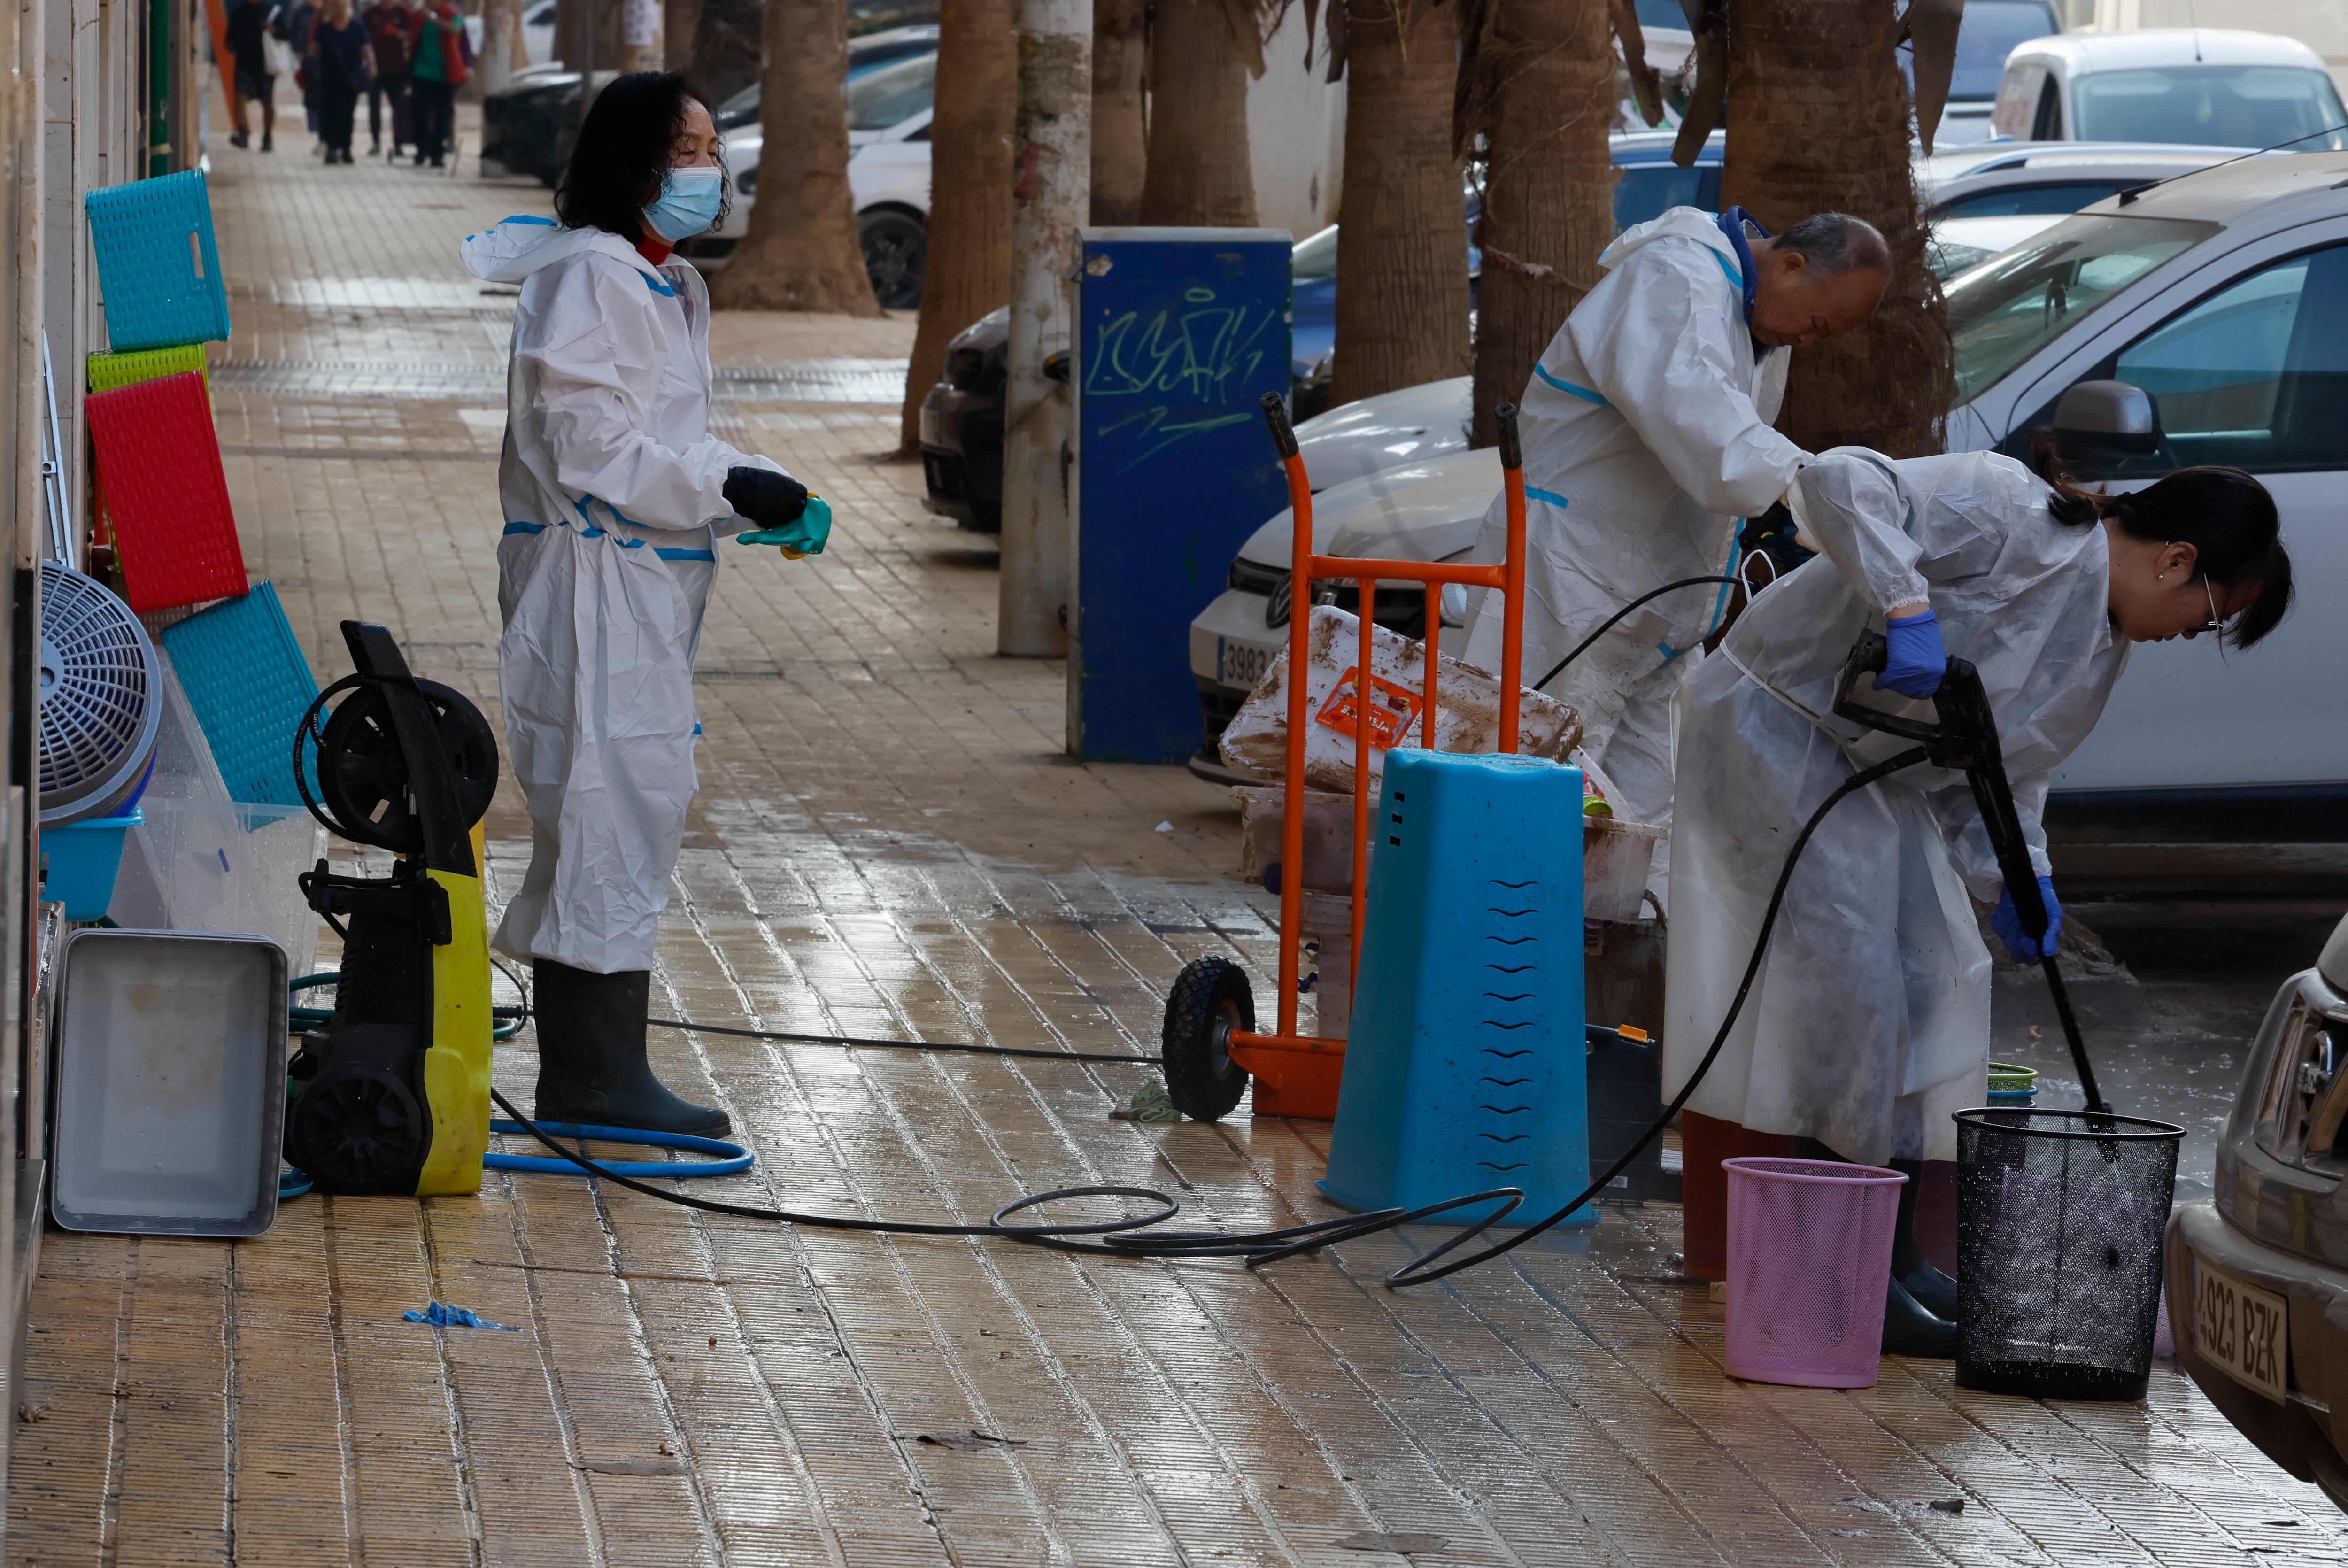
(1544, 74)
(970, 187)
(1120, 143)
(724, 59)
(1199, 172)
(1402, 237)
(801, 252)
(1817, 117)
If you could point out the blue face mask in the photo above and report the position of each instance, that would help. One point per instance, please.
(689, 201)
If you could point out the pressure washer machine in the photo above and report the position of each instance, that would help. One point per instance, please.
(392, 1096)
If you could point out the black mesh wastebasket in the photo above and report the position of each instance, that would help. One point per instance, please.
(2059, 1221)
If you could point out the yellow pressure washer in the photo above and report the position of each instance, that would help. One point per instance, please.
(392, 1096)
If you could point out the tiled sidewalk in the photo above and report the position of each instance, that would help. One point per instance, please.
(889, 842)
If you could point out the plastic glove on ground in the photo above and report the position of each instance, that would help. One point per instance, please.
(2007, 924)
(803, 535)
(1918, 656)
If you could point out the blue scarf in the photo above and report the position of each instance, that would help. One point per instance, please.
(1732, 223)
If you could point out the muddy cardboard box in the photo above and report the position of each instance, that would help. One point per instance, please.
(1466, 719)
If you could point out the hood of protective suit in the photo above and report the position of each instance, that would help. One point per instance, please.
(512, 249)
(1676, 223)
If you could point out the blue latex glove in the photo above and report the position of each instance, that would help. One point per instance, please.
(1919, 658)
(2008, 925)
(803, 535)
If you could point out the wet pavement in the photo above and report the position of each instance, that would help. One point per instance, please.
(888, 842)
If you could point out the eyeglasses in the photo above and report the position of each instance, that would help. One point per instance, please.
(2216, 622)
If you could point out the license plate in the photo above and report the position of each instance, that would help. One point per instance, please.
(2246, 1331)
(928, 426)
(1241, 663)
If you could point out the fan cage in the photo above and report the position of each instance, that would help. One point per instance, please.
(99, 697)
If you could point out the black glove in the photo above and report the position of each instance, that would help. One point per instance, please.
(766, 498)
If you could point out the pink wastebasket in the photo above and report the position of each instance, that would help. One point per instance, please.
(1810, 1261)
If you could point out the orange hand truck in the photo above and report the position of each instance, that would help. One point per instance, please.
(1211, 1045)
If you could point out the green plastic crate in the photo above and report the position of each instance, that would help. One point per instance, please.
(108, 371)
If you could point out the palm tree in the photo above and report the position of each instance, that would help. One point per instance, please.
(1818, 119)
(1402, 240)
(1537, 87)
(801, 252)
(969, 270)
(723, 57)
(1120, 146)
(1201, 54)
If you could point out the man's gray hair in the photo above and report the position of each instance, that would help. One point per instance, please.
(1835, 242)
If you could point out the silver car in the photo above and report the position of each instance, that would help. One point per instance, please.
(2258, 1276)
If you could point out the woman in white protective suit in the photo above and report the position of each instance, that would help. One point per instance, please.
(1868, 1023)
(614, 494)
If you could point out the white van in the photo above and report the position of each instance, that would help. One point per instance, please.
(2202, 87)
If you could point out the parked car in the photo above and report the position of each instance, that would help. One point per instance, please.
(2258, 1276)
(1988, 33)
(2204, 87)
(2222, 297)
(528, 124)
(865, 56)
(887, 176)
(1994, 195)
(538, 33)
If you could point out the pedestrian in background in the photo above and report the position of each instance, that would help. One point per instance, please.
(391, 33)
(438, 72)
(250, 78)
(342, 63)
(294, 24)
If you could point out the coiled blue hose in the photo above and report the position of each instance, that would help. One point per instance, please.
(730, 1159)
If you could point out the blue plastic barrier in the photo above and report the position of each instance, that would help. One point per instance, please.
(1465, 1064)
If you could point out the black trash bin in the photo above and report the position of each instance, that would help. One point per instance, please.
(2059, 1221)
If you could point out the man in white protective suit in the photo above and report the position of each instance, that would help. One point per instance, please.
(1646, 432)
(614, 493)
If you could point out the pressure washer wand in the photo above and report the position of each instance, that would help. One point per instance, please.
(1965, 740)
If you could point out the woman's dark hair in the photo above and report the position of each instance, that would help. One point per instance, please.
(2227, 516)
(624, 151)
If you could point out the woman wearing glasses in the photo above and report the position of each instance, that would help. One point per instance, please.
(1869, 1021)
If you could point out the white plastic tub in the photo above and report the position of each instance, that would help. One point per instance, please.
(170, 1061)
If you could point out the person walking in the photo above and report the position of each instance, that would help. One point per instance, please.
(613, 492)
(1868, 1021)
(343, 61)
(250, 78)
(391, 33)
(437, 72)
(1647, 434)
(294, 25)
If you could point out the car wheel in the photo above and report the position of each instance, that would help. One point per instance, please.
(896, 249)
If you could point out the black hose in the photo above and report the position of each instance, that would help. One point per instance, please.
(1124, 1056)
(1419, 1271)
(1615, 619)
(1135, 1238)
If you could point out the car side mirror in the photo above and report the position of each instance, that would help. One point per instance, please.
(2108, 417)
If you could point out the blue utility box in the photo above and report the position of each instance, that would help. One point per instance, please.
(1465, 1064)
(1180, 334)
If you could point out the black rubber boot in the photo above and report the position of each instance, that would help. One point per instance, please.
(590, 1055)
(1935, 1291)
(1910, 1330)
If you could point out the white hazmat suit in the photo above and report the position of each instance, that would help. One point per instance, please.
(1869, 1021)
(1646, 434)
(611, 482)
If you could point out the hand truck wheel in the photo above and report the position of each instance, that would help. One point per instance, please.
(1210, 999)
